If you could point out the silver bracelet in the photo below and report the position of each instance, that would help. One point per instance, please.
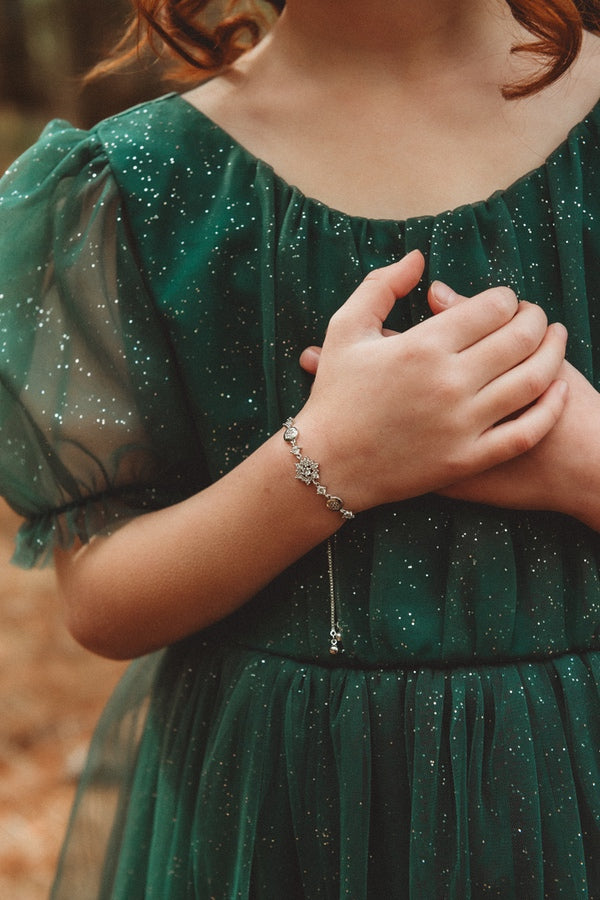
(307, 470)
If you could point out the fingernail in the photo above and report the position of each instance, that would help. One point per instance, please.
(558, 326)
(443, 294)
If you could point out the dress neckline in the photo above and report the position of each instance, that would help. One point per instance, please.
(308, 201)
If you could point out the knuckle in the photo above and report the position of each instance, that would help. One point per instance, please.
(374, 275)
(537, 382)
(524, 440)
(526, 338)
(533, 314)
(533, 308)
(338, 322)
(534, 385)
(450, 387)
(337, 317)
(503, 299)
(529, 328)
(426, 348)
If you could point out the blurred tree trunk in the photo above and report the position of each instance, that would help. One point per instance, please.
(92, 28)
(17, 86)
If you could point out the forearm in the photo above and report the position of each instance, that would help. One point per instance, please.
(563, 470)
(175, 571)
(578, 483)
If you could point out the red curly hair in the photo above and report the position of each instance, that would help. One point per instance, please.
(198, 38)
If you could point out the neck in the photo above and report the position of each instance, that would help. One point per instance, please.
(405, 38)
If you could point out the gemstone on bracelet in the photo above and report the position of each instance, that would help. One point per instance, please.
(334, 503)
(307, 470)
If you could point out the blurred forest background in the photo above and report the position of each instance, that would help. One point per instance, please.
(51, 691)
(45, 48)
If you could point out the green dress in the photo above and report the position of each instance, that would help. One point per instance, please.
(157, 285)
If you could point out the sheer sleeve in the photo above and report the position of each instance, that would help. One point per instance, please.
(93, 421)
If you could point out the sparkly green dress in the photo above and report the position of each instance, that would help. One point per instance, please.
(157, 285)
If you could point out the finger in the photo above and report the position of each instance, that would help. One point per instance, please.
(473, 318)
(440, 297)
(525, 383)
(517, 436)
(373, 300)
(508, 346)
(309, 359)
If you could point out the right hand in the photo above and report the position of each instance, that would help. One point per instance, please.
(392, 416)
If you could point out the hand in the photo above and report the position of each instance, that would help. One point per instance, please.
(558, 473)
(392, 416)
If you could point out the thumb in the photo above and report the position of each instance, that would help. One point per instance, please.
(373, 300)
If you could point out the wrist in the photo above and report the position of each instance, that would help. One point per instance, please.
(337, 458)
(307, 471)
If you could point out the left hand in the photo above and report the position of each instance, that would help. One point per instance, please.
(560, 473)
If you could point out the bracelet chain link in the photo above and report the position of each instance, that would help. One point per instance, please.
(307, 470)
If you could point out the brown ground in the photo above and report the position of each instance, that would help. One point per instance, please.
(51, 692)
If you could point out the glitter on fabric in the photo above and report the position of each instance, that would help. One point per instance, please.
(158, 285)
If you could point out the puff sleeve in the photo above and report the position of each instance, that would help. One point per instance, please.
(93, 421)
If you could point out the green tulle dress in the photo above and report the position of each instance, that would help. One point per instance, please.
(157, 285)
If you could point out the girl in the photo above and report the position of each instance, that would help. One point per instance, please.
(407, 705)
